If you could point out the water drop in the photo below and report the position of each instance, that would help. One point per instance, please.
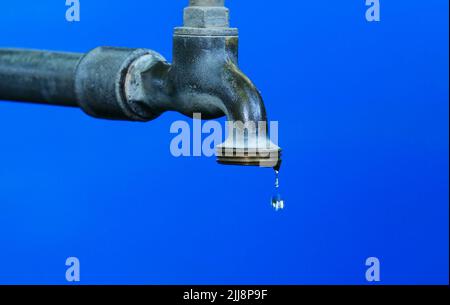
(277, 201)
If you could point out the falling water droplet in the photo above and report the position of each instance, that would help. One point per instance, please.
(277, 201)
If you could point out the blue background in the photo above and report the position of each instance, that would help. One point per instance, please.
(363, 111)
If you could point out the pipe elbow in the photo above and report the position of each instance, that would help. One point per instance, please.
(248, 142)
(242, 101)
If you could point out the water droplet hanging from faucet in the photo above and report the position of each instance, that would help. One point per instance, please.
(277, 201)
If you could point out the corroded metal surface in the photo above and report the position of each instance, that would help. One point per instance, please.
(139, 84)
(39, 77)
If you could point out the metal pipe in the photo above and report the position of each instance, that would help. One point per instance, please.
(38, 76)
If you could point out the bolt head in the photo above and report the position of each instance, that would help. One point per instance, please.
(206, 17)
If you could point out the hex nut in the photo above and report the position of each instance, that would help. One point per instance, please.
(206, 17)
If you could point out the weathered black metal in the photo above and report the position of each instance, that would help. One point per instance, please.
(139, 84)
(38, 76)
(100, 81)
